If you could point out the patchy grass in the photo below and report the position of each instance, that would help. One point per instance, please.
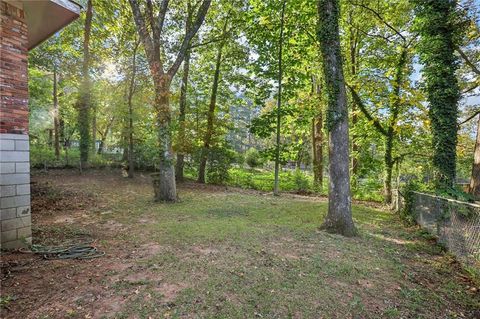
(229, 253)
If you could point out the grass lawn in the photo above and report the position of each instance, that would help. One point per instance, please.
(223, 253)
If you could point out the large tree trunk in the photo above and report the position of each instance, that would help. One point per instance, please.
(151, 38)
(181, 119)
(475, 178)
(56, 115)
(211, 110)
(436, 50)
(84, 102)
(339, 218)
(167, 190)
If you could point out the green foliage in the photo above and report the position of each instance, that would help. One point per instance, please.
(218, 164)
(407, 211)
(368, 188)
(297, 180)
(253, 158)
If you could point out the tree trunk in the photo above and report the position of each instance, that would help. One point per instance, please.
(84, 102)
(94, 128)
(317, 141)
(436, 50)
(279, 102)
(181, 119)
(101, 145)
(56, 115)
(475, 179)
(151, 39)
(104, 135)
(353, 62)
(131, 91)
(317, 137)
(211, 110)
(387, 181)
(183, 103)
(339, 218)
(392, 125)
(167, 190)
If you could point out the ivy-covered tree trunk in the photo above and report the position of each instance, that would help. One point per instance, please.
(84, 99)
(339, 217)
(436, 48)
(150, 29)
(475, 178)
(207, 139)
(167, 190)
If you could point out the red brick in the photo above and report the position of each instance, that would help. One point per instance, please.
(13, 70)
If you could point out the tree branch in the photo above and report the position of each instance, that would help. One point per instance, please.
(468, 61)
(381, 19)
(161, 16)
(469, 118)
(376, 123)
(142, 30)
(202, 12)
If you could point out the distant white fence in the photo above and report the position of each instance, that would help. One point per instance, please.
(455, 223)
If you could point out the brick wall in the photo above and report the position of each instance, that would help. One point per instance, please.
(13, 75)
(15, 215)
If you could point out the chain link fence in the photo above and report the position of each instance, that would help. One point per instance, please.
(455, 223)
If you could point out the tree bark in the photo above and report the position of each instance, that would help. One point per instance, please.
(391, 136)
(56, 115)
(150, 31)
(339, 217)
(317, 141)
(279, 102)
(211, 110)
(181, 119)
(475, 178)
(104, 136)
(353, 69)
(84, 103)
(317, 137)
(167, 189)
(131, 91)
(183, 104)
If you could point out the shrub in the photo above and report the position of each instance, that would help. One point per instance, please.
(301, 181)
(253, 158)
(407, 212)
(218, 163)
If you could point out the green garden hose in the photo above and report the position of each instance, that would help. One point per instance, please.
(76, 251)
